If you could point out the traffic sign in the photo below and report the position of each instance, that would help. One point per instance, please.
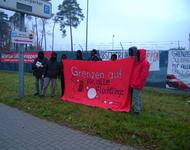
(22, 37)
(39, 8)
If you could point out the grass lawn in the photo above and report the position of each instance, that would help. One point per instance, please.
(164, 123)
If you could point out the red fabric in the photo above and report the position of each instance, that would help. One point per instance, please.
(140, 72)
(174, 82)
(103, 84)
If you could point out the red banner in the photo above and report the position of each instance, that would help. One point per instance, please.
(29, 57)
(104, 84)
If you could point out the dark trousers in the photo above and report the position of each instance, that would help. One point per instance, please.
(62, 85)
(39, 82)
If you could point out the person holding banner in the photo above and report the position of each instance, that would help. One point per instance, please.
(139, 76)
(132, 53)
(113, 57)
(38, 69)
(94, 56)
(79, 55)
(50, 75)
(63, 57)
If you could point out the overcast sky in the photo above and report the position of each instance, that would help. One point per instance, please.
(138, 21)
(148, 22)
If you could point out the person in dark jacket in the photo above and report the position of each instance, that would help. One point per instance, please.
(138, 80)
(38, 69)
(63, 57)
(132, 51)
(51, 73)
(79, 55)
(113, 57)
(94, 56)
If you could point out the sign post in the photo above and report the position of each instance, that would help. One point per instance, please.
(39, 8)
(21, 60)
(22, 37)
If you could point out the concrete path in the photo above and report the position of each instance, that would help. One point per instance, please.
(22, 131)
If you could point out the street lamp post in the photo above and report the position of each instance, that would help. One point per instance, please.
(21, 59)
(113, 42)
(87, 26)
(189, 41)
(53, 36)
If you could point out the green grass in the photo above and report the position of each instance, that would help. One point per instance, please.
(164, 123)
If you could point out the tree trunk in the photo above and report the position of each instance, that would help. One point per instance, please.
(42, 38)
(71, 35)
(44, 29)
(37, 32)
(14, 44)
(53, 36)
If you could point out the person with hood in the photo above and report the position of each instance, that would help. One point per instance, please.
(139, 76)
(50, 74)
(38, 67)
(79, 55)
(132, 51)
(94, 56)
(113, 57)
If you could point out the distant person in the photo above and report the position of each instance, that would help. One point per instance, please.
(139, 76)
(63, 57)
(51, 73)
(113, 57)
(94, 56)
(132, 51)
(38, 69)
(79, 55)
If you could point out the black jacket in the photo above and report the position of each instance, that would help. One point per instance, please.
(52, 69)
(38, 67)
(94, 58)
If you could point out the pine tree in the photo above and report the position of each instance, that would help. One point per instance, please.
(70, 14)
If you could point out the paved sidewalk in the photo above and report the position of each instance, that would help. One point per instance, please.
(22, 131)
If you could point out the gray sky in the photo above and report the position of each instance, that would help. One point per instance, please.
(152, 24)
(141, 21)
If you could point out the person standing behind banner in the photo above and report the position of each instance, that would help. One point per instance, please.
(94, 56)
(132, 53)
(79, 55)
(139, 76)
(51, 73)
(38, 69)
(113, 57)
(63, 57)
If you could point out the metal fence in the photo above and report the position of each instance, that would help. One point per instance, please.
(155, 79)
